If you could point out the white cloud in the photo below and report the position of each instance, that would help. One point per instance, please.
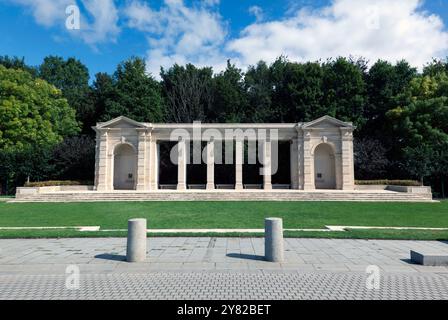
(104, 22)
(180, 34)
(99, 22)
(257, 12)
(390, 30)
(45, 12)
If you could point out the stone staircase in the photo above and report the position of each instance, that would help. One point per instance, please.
(219, 195)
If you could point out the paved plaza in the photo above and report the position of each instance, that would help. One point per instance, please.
(218, 268)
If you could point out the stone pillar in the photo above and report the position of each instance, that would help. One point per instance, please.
(211, 165)
(267, 165)
(136, 244)
(141, 160)
(348, 172)
(182, 165)
(103, 169)
(239, 159)
(153, 163)
(273, 240)
(294, 165)
(308, 163)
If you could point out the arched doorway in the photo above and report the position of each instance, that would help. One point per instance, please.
(125, 164)
(324, 167)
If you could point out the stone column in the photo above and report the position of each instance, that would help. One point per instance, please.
(348, 172)
(153, 163)
(267, 165)
(294, 164)
(103, 169)
(239, 157)
(141, 160)
(308, 163)
(182, 165)
(211, 165)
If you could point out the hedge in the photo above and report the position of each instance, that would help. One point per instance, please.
(407, 183)
(54, 183)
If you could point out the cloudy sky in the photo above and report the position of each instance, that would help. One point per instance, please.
(208, 32)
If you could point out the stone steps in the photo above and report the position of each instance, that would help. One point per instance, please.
(225, 196)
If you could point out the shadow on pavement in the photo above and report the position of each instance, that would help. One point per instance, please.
(113, 257)
(246, 256)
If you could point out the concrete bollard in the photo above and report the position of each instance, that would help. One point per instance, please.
(136, 246)
(273, 240)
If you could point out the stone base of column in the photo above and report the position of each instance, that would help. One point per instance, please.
(309, 187)
(140, 187)
(239, 186)
(267, 186)
(210, 186)
(154, 186)
(181, 186)
(101, 188)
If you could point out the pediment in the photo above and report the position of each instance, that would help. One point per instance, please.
(121, 122)
(327, 122)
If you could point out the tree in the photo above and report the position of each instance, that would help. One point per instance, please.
(188, 93)
(370, 159)
(229, 96)
(259, 88)
(419, 161)
(71, 76)
(74, 158)
(297, 90)
(17, 63)
(103, 92)
(384, 82)
(435, 67)
(344, 90)
(32, 112)
(33, 118)
(134, 93)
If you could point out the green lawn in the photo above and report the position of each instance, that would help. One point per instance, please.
(181, 215)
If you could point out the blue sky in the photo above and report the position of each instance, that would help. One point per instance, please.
(208, 32)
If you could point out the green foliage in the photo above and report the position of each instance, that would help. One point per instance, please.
(72, 78)
(132, 93)
(32, 112)
(344, 91)
(407, 183)
(188, 92)
(229, 96)
(259, 88)
(55, 183)
(17, 63)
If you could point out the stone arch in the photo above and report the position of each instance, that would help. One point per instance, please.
(324, 166)
(125, 167)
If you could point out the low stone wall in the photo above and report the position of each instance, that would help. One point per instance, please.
(409, 189)
(405, 189)
(22, 191)
(371, 187)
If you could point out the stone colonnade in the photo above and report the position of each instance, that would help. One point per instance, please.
(127, 153)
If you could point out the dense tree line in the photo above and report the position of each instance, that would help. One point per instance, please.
(46, 112)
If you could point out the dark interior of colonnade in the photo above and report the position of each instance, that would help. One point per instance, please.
(224, 172)
(167, 169)
(197, 170)
(252, 177)
(282, 176)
